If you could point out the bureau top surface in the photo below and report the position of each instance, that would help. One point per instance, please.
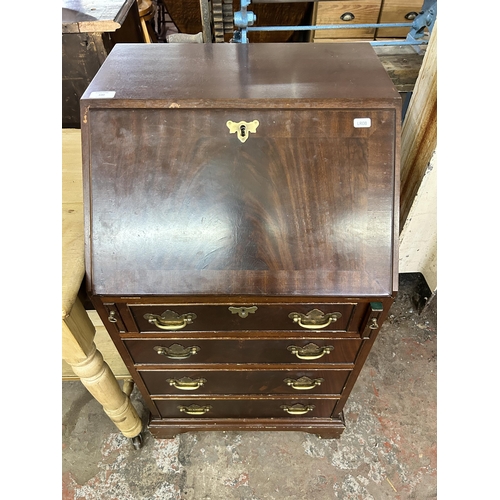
(179, 203)
(196, 74)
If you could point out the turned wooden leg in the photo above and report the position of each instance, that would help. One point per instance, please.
(80, 352)
(97, 377)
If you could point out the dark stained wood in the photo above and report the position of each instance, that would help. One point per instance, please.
(262, 75)
(267, 203)
(218, 318)
(242, 408)
(249, 381)
(182, 216)
(240, 350)
(327, 428)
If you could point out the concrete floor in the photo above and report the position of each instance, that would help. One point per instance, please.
(387, 451)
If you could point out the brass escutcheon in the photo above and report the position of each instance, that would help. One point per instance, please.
(170, 320)
(186, 383)
(314, 319)
(303, 383)
(242, 129)
(195, 409)
(310, 351)
(297, 409)
(176, 351)
(242, 312)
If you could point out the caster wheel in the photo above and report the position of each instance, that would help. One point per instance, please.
(137, 442)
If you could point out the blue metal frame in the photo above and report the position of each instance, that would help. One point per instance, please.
(244, 20)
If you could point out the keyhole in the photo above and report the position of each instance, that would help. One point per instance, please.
(243, 130)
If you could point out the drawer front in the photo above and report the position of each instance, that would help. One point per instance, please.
(238, 317)
(245, 382)
(189, 351)
(364, 12)
(234, 408)
(397, 11)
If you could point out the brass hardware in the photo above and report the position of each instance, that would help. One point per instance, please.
(186, 383)
(297, 409)
(347, 16)
(303, 383)
(195, 409)
(310, 351)
(373, 324)
(411, 16)
(243, 312)
(242, 129)
(112, 317)
(314, 319)
(170, 320)
(176, 351)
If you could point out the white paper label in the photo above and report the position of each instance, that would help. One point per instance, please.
(362, 122)
(106, 94)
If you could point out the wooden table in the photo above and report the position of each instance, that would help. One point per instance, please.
(78, 332)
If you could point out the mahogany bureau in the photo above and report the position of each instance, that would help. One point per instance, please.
(241, 208)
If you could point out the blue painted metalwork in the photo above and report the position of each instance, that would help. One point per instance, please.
(329, 27)
(244, 20)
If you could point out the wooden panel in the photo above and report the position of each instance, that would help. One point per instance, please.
(225, 217)
(245, 381)
(264, 75)
(394, 11)
(419, 133)
(230, 408)
(364, 11)
(72, 219)
(241, 350)
(328, 428)
(266, 317)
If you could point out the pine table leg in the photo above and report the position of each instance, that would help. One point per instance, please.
(80, 352)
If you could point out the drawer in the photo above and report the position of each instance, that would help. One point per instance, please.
(245, 381)
(397, 11)
(240, 317)
(360, 12)
(243, 408)
(195, 350)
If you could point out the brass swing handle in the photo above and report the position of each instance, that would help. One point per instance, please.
(195, 409)
(310, 351)
(170, 320)
(297, 409)
(315, 319)
(186, 383)
(303, 383)
(176, 351)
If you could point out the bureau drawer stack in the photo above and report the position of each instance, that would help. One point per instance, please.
(241, 223)
(273, 363)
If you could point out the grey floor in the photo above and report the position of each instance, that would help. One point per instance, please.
(387, 451)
